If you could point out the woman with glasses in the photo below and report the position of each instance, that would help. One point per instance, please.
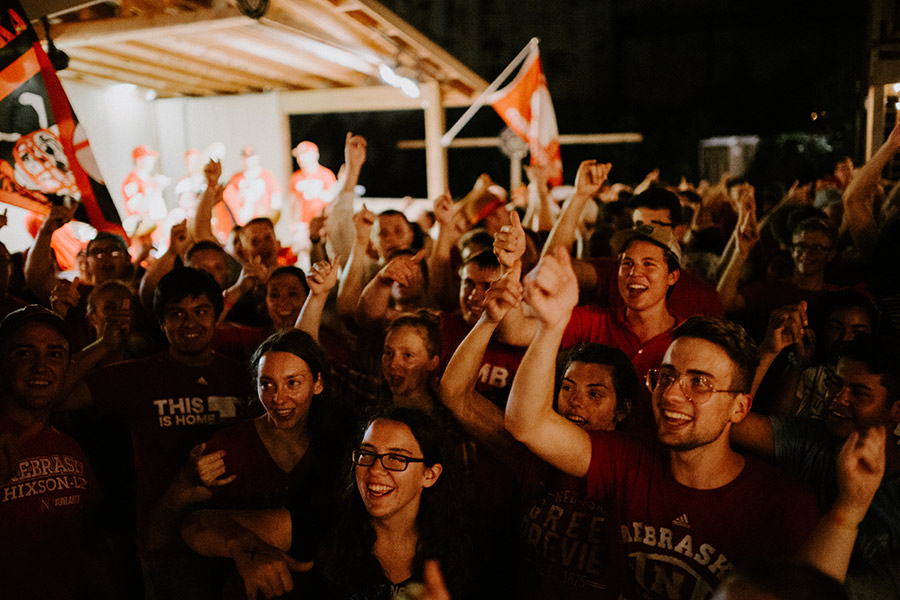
(402, 508)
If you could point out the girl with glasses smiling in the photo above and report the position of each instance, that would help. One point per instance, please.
(402, 508)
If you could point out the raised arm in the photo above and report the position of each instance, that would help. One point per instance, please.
(451, 225)
(201, 223)
(481, 419)
(340, 211)
(40, 274)
(745, 236)
(860, 468)
(859, 213)
(179, 243)
(588, 182)
(552, 292)
(373, 306)
(321, 280)
(351, 284)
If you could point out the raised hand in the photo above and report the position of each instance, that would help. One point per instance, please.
(212, 171)
(208, 469)
(401, 269)
(504, 294)
(64, 296)
(354, 151)
(746, 235)
(860, 468)
(363, 221)
(179, 238)
(551, 288)
(509, 243)
(789, 325)
(322, 277)
(60, 214)
(591, 176)
(253, 274)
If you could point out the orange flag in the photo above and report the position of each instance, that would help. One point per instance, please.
(526, 107)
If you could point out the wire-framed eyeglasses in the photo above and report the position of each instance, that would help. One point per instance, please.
(696, 387)
(391, 462)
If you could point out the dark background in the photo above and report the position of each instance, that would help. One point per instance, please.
(677, 71)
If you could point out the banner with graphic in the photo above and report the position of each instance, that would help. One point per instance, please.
(526, 107)
(45, 156)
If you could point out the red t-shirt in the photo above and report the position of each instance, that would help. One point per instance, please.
(169, 408)
(260, 483)
(301, 181)
(690, 295)
(45, 519)
(498, 367)
(679, 542)
(592, 324)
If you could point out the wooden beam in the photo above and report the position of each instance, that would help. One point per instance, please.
(117, 76)
(208, 49)
(356, 99)
(166, 56)
(394, 25)
(435, 153)
(73, 34)
(154, 66)
(564, 140)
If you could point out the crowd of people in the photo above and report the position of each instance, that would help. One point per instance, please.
(660, 391)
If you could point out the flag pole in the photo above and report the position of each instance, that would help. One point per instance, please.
(481, 100)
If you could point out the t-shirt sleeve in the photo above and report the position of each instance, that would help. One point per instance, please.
(791, 436)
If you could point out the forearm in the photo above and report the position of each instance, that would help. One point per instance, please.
(440, 273)
(39, 272)
(830, 545)
(545, 211)
(151, 278)
(374, 302)
(310, 318)
(516, 328)
(340, 225)
(531, 395)
(351, 283)
(563, 232)
(227, 533)
(728, 284)
(201, 224)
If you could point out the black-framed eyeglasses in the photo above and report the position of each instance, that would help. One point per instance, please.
(696, 387)
(391, 462)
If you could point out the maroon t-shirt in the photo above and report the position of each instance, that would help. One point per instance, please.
(45, 519)
(260, 482)
(592, 324)
(498, 367)
(169, 408)
(679, 542)
(690, 295)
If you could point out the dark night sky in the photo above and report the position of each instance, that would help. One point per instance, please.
(676, 71)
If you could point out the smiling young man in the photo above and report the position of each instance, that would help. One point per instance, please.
(170, 401)
(648, 268)
(864, 394)
(688, 507)
(47, 488)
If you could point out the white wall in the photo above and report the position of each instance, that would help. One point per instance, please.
(235, 121)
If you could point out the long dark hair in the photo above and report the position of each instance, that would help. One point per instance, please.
(440, 522)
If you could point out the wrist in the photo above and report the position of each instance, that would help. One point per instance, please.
(844, 518)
